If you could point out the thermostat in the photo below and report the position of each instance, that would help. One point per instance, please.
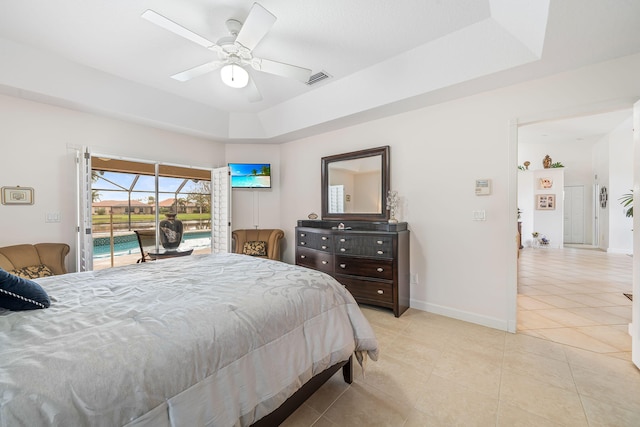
(483, 187)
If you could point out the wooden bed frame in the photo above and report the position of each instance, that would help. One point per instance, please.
(299, 397)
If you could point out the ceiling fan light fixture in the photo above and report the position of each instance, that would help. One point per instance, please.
(234, 76)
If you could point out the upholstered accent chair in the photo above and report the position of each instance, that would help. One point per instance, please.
(263, 243)
(32, 261)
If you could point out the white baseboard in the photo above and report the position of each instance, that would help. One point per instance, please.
(619, 251)
(490, 322)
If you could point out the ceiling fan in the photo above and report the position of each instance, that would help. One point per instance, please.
(234, 51)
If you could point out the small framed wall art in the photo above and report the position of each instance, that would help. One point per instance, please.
(17, 195)
(545, 201)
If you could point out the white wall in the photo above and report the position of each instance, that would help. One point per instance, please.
(37, 151)
(465, 268)
(620, 143)
(256, 208)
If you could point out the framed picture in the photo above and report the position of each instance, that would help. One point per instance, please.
(17, 195)
(546, 201)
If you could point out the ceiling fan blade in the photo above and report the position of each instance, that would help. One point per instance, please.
(178, 29)
(197, 71)
(281, 69)
(257, 24)
(254, 94)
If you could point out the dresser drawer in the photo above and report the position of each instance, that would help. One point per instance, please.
(367, 291)
(312, 258)
(320, 241)
(360, 245)
(367, 267)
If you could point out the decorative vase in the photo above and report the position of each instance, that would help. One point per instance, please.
(392, 206)
(546, 162)
(170, 232)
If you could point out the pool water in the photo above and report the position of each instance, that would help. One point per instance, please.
(197, 240)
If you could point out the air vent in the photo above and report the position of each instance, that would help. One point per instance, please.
(318, 77)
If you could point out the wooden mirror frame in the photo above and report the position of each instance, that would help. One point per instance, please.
(385, 172)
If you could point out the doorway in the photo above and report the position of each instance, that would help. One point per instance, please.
(586, 153)
(574, 215)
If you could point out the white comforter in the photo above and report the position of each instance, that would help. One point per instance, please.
(216, 340)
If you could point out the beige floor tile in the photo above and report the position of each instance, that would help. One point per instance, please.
(565, 317)
(394, 377)
(366, 406)
(600, 315)
(534, 320)
(526, 302)
(471, 369)
(610, 388)
(450, 404)
(554, 372)
(557, 301)
(574, 338)
(303, 416)
(326, 395)
(512, 416)
(525, 391)
(601, 414)
(535, 345)
(420, 356)
(616, 337)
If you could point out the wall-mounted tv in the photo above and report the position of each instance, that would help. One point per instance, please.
(250, 175)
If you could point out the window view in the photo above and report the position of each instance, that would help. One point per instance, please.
(124, 207)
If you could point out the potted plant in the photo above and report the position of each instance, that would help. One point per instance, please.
(627, 202)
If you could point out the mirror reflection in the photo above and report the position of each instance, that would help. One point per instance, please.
(355, 186)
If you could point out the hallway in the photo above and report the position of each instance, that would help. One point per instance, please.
(575, 297)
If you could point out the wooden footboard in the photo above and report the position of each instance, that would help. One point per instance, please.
(292, 403)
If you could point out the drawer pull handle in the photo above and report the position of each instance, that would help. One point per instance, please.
(380, 242)
(324, 247)
(302, 234)
(380, 269)
(380, 292)
(380, 252)
(303, 256)
(343, 265)
(325, 262)
(303, 243)
(343, 250)
(324, 237)
(343, 240)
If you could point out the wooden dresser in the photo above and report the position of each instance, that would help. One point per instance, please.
(371, 259)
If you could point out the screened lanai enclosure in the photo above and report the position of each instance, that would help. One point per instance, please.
(129, 196)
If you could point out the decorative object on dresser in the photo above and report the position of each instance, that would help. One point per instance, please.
(371, 259)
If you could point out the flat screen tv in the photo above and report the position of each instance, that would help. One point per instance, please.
(250, 175)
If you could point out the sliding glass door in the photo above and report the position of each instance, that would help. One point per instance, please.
(132, 197)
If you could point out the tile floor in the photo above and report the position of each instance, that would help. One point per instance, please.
(438, 371)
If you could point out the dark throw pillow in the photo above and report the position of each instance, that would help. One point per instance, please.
(17, 293)
(255, 248)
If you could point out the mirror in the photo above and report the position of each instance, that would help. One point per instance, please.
(355, 185)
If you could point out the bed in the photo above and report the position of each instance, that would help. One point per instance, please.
(206, 340)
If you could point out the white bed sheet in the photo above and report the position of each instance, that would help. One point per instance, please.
(205, 340)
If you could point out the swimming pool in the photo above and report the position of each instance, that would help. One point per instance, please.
(128, 244)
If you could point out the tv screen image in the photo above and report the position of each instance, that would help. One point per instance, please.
(250, 175)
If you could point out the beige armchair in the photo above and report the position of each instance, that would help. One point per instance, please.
(271, 237)
(21, 257)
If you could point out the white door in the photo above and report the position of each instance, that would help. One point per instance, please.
(635, 314)
(220, 210)
(574, 214)
(84, 240)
